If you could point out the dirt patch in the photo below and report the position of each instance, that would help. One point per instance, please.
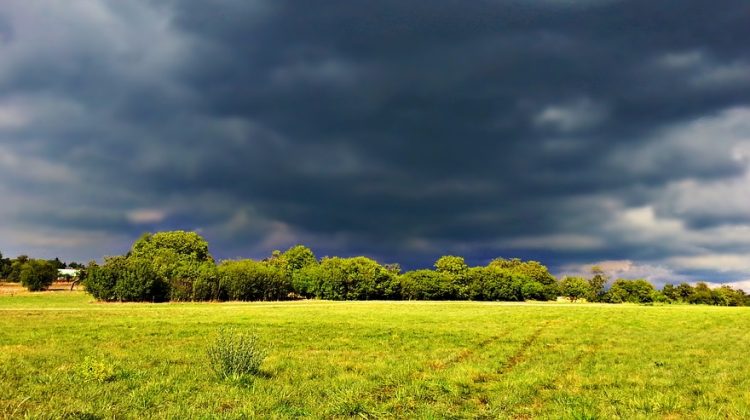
(15, 289)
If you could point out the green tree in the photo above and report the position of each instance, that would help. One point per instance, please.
(57, 263)
(299, 257)
(4, 267)
(496, 284)
(253, 280)
(427, 285)
(451, 264)
(701, 294)
(177, 258)
(37, 275)
(126, 279)
(670, 293)
(685, 292)
(140, 282)
(532, 270)
(457, 270)
(597, 283)
(633, 291)
(187, 245)
(357, 278)
(14, 274)
(575, 288)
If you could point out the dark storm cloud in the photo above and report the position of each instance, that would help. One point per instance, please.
(548, 129)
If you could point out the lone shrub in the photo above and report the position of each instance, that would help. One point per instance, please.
(92, 370)
(235, 354)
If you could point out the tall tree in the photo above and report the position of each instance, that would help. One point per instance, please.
(597, 282)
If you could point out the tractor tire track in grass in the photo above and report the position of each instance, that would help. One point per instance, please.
(480, 384)
(520, 355)
(462, 355)
(561, 379)
(389, 391)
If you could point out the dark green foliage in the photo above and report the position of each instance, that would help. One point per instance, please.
(428, 285)
(101, 279)
(140, 282)
(162, 266)
(533, 290)
(530, 271)
(495, 283)
(670, 293)
(187, 245)
(57, 263)
(701, 294)
(358, 278)
(183, 277)
(658, 297)
(207, 285)
(633, 291)
(177, 266)
(533, 270)
(14, 272)
(575, 288)
(37, 275)
(499, 282)
(253, 280)
(4, 267)
(126, 279)
(597, 284)
(726, 296)
(298, 257)
(451, 264)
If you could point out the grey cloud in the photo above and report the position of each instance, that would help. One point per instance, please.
(391, 128)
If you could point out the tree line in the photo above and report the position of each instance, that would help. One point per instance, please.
(177, 266)
(34, 274)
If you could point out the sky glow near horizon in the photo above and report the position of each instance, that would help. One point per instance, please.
(574, 133)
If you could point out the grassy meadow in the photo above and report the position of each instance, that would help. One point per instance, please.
(63, 355)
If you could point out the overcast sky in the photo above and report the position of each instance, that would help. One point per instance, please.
(569, 131)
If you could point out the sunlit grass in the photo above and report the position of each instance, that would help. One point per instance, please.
(379, 359)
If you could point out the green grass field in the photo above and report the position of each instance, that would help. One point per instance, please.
(375, 359)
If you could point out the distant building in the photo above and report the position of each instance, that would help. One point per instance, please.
(67, 272)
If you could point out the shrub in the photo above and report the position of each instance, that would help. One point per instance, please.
(253, 280)
(101, 279)
(91, 370)
(139, 282)
(234, 354)
(37, 275)
(126, 279)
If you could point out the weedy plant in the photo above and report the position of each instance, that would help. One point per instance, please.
(92, 370)
(236, 354)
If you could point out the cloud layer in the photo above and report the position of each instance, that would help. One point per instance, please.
(571, 132)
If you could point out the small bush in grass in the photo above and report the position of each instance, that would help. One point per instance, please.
(91, 370)
(235, 354)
